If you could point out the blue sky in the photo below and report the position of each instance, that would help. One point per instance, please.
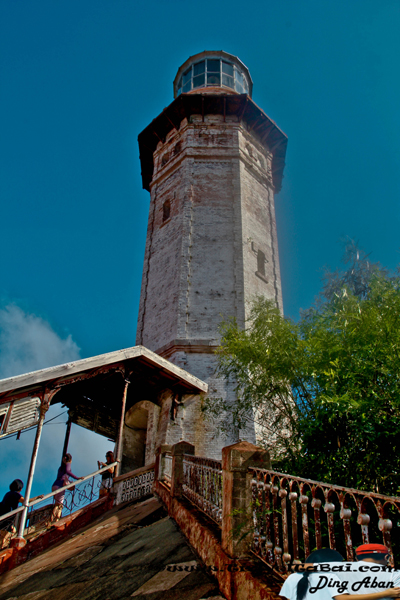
(80, 80)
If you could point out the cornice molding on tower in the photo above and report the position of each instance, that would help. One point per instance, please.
(204, 154)
(190, 346)
(261, 175)
(186, 105)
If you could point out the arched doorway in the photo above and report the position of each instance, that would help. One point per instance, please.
(140, 425)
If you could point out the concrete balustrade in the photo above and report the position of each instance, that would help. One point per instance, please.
(178, 450)
(225, 550)
(237, 511)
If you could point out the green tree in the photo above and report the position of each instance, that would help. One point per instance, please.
(324, 391)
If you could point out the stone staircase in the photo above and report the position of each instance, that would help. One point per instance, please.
(132, 550)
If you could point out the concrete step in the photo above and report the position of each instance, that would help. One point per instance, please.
(133, 551)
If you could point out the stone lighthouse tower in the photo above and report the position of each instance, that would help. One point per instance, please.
(212, 162)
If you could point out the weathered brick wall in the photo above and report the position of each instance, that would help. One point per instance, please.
(160, 294)
(152, 427)
(258, 221)
(191, 424)
(202, 262)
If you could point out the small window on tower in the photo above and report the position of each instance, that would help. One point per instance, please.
(261, 260)
(166, 210)
(164, 159)
(261, 263)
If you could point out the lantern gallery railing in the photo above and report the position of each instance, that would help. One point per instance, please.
(293, 516)
(202, 484)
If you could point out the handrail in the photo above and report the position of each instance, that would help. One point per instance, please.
(36, 500)
(12, 512)
(326, 485)
(202, 484)
(292, 514)
(70, 485)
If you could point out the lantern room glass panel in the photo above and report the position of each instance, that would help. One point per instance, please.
(213, 72)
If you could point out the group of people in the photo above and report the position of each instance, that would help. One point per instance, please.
(14, 497)
(324, 578)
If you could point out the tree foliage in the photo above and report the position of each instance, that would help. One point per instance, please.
(324, 391)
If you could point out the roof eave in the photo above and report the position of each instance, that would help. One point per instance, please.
(36, 381)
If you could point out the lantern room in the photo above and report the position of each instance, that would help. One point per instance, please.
(210, 70)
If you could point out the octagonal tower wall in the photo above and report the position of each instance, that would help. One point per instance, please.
(212, 164)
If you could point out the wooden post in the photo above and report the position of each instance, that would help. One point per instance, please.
(178, 450)
(237, 510)
(121, 428)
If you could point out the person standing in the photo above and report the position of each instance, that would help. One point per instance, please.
(10, 502)
(63, 475)
(106, 476)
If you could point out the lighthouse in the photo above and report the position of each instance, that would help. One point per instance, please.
(212, 162)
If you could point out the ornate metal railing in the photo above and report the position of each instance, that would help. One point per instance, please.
(10, 518)
(202, 484)
(292, 516)
(166, 468)
(77, 495)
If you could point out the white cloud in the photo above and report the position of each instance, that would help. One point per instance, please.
(85, 446)
(28, 343)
